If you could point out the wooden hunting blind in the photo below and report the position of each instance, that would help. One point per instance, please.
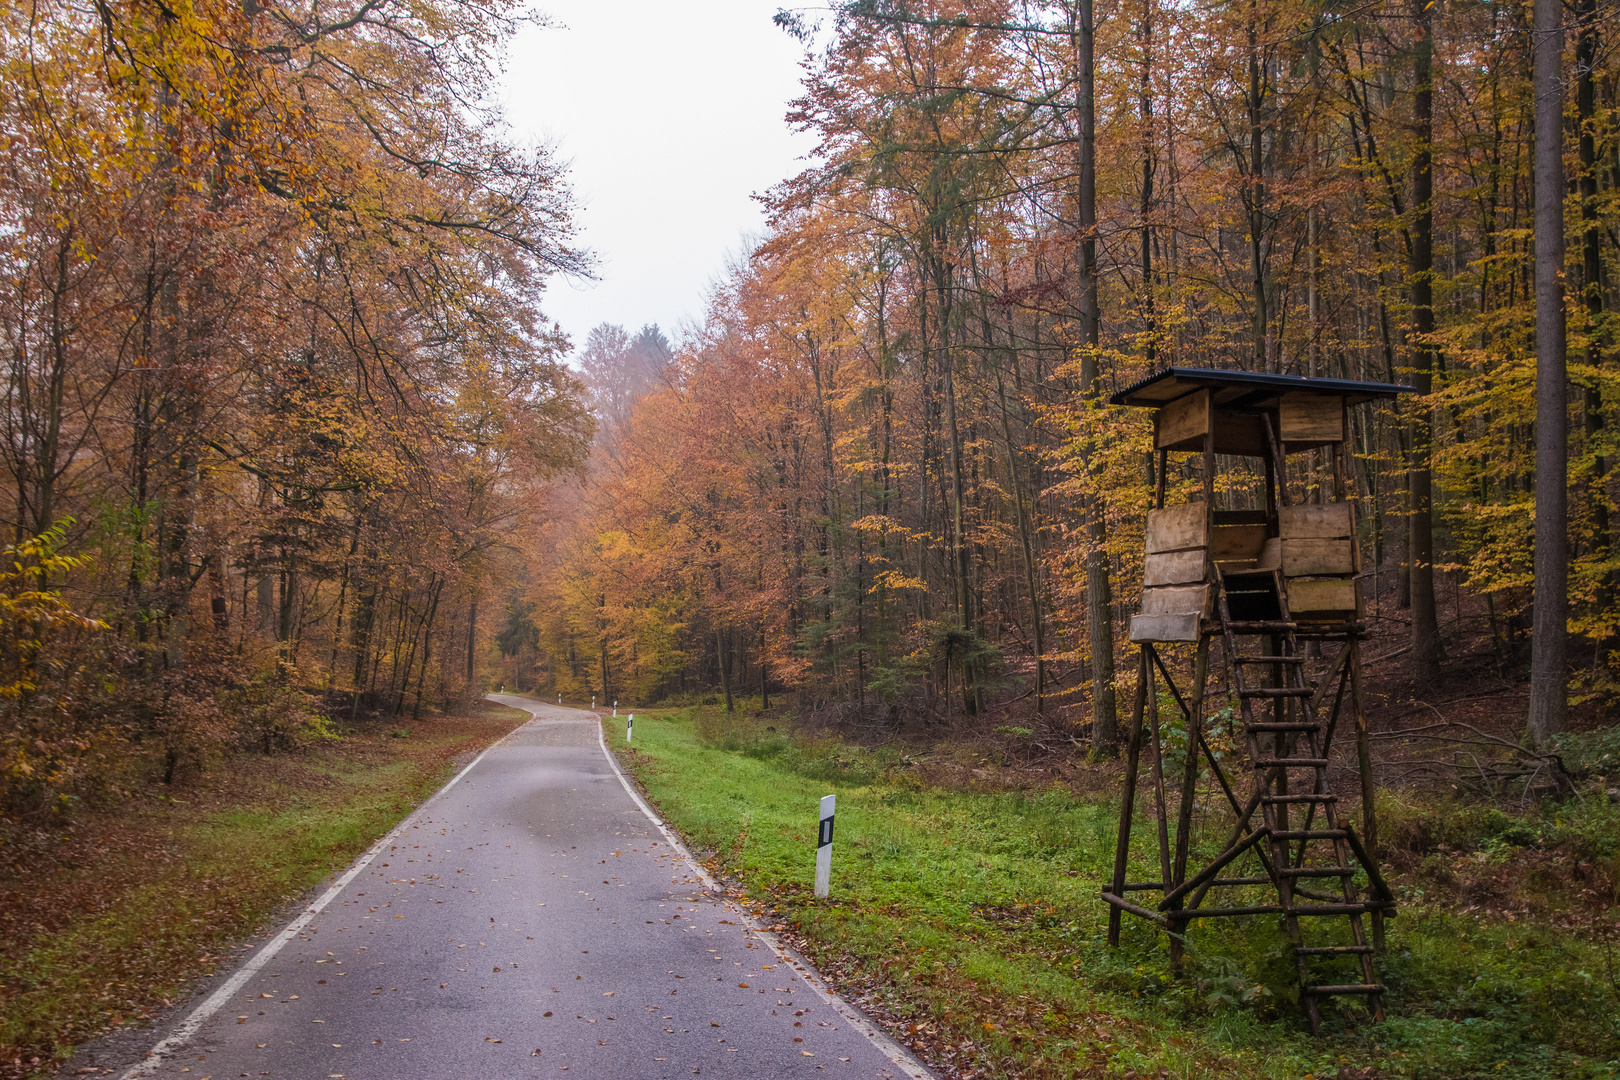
(1266, 561)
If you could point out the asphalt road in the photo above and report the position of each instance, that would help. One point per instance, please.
(531, 919)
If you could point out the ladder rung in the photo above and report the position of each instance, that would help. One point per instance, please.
(1268, 660)
(1332, 950)
(1336, 909)
(1224, 912)
(1357, 988)
(1312, 894)
(1260, 626)
(1274, 726)
(1156, 886)
(1315, 871)
(1309, 834)
(1298, 798)
(1292, 762)
(1277, 692)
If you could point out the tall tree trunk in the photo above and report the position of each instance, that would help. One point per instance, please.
(427, 649)
(885, 371)
(1021, 504)
(1145, 105)
(1425, 624)
(472, 639)
(1549, 687)
(1099, 590)
(966, 615)
(1594, 288)
(1261, 328)
(723, 660)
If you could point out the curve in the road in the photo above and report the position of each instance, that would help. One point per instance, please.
(479, 939)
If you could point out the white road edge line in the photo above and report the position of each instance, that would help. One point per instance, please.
(902, 1058)
(199, 1016)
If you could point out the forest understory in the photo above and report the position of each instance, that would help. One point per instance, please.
(965, 912)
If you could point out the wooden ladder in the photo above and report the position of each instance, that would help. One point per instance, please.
(1293, 739)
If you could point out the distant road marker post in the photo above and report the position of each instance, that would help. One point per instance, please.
(824, 838)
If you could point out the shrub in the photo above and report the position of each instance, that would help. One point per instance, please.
(49, 726)
(274, 715)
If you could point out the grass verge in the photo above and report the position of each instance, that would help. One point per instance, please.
(968, 920)
(143, 897)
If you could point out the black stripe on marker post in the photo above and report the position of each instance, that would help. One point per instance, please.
(826, 832)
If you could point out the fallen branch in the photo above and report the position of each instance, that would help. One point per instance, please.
(1543, 758)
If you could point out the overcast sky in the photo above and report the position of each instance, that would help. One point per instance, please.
(672, 116)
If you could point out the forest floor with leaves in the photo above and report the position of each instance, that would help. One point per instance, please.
(964, 915)
(138, 898)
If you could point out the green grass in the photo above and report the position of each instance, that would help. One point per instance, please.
(165, 885)
(973, 916)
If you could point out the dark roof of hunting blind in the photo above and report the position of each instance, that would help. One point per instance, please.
(1245, 389)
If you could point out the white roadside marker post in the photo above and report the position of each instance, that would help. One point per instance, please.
(559, 699)
(615, 706)
(824, 847)
(629, 726)
(593, 701)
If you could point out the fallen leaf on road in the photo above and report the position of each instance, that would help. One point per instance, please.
(610, 993)
(807, 1053)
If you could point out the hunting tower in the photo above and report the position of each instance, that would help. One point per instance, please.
(1265, 562)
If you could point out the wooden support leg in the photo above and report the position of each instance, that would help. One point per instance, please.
(1160, 803)
(1369, 806)
(1133, 759)
(1194, 713)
